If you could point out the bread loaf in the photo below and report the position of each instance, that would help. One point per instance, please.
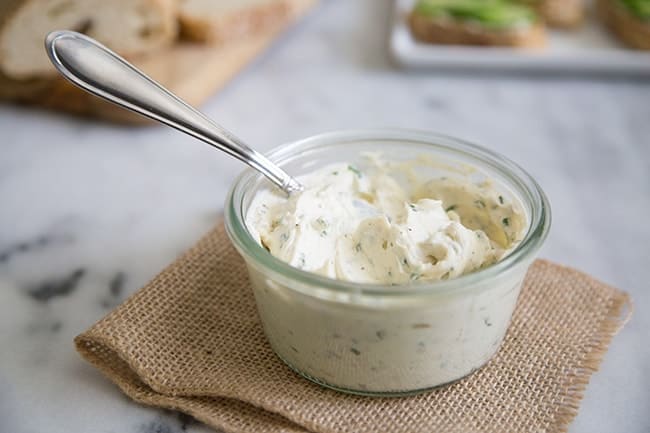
(226, 20)
(129, 27)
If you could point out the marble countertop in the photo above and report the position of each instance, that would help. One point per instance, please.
(89, 211)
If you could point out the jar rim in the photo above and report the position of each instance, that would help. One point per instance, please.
(251, 250)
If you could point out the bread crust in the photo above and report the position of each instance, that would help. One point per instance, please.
(8, 8)
(170, 28)
(59, 95)
(455, 33)
(632, 31)
(235, 25)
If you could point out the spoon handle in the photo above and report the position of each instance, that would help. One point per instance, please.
(98, 70)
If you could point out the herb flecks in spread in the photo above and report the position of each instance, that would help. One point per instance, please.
(367, 224)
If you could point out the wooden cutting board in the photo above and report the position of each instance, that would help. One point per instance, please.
(190, 70)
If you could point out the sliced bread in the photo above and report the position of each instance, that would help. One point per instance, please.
(476, 22)
(630, 25)
(226, 20)
(130, 27)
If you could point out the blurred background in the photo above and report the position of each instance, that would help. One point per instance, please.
(92, 206)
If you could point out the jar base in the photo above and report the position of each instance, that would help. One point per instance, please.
(366, 393)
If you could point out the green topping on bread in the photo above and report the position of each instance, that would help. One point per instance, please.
(638, 8)
(489, 13)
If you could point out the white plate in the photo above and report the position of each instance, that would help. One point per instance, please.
(589, 49)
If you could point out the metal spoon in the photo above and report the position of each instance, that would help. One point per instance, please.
(98, 70)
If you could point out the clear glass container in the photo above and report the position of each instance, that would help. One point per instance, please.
(388, 340)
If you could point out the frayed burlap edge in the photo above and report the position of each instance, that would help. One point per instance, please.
(617, 317)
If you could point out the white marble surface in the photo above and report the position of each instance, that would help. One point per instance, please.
(89, 211)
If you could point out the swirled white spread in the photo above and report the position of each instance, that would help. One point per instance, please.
(380, 224)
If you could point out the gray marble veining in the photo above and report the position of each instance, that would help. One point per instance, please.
(90, 211)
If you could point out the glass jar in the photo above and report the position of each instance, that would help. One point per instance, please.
(388, 340)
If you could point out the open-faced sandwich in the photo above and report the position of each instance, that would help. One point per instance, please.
(629, 20)
(477, 22)
(560, 13)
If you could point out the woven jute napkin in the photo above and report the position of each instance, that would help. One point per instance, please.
(191, 340)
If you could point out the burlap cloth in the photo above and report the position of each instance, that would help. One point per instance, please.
(191, 340)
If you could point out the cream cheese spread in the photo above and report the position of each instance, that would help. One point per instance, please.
(379, 223)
